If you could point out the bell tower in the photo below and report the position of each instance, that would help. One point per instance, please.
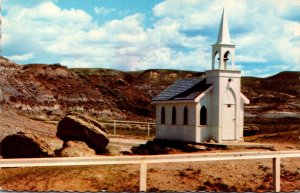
(223, 51)
(226, 98)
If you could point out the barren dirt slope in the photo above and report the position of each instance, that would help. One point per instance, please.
(47, 92)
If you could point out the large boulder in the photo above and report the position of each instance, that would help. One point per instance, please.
(75, 127)
(28, 145)
(76, 149)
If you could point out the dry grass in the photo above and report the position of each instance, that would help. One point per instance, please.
(77, 178)
(245, 175)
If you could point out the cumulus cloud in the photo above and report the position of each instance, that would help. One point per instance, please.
(103, 10)
(71, 36)
(44, 29)
(243, 58)
(264, 31)
(21, 58)
(179, 37)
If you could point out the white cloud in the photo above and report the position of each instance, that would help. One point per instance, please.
(44, 32)
(193, 14)
(243, 58)
(258, 28)
(266, 71)
(21, 58)
(103, 10)
(77, 41)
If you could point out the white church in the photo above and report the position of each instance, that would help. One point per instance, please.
(200, 109)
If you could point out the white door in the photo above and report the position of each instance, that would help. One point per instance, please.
(228, 124)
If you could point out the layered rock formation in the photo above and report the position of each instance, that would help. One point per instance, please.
(80, 136)
(74, 127)
(29, 145)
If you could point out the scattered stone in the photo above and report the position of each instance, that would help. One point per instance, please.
(28, 145)
(114, 149)
(211, 141)
(76, 127)
(201, 147)
(76, 149)
(289, 147)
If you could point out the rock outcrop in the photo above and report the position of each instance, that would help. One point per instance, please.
(28, 145)
(76, 149)
(159, 146)
(75, 127)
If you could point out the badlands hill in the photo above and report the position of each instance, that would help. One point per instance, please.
(47, 92)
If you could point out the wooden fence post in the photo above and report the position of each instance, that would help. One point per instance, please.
(276, 174)
(114, 127)
(148, 128)
(143, 177)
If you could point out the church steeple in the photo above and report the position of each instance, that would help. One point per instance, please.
(223, 49)
(224, 36)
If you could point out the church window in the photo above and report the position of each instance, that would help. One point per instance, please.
(226, 55)
(174, 116)
(216, 61)
(203, 116)
(185, 116)
(226, 59)
(163, 115)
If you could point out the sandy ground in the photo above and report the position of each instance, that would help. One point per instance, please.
(251, 175)
(241, 175)
(11, 123)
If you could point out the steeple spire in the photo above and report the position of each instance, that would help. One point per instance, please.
(223, 51)
(224, 36)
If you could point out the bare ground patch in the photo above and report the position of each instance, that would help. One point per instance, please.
(242, 175)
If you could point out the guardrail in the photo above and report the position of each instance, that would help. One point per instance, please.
(148, 125)
(144, 160)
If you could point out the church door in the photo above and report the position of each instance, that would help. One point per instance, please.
(228, 129)
(229, 116)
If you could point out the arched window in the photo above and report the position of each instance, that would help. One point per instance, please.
(203, 116)
(162, 115)
(173, 115)
(185, 116)
(216, 61)
(227, 56)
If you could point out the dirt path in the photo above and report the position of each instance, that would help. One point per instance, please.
(127, 141)
(119, 144)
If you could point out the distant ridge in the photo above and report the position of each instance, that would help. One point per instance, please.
(49, 91)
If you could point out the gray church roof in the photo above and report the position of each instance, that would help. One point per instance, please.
(183, 89)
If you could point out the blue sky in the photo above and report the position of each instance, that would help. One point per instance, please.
(144, 34)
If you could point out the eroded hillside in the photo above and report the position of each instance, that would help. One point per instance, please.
(49, 91)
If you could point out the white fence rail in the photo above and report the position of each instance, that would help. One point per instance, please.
(144, 160)
(115, 123)
(147, 125)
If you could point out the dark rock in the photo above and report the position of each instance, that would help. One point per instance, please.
(251, 130)
(159, 146)
(76, 149)
(75, 127)
(150, 148)
(28, 145)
